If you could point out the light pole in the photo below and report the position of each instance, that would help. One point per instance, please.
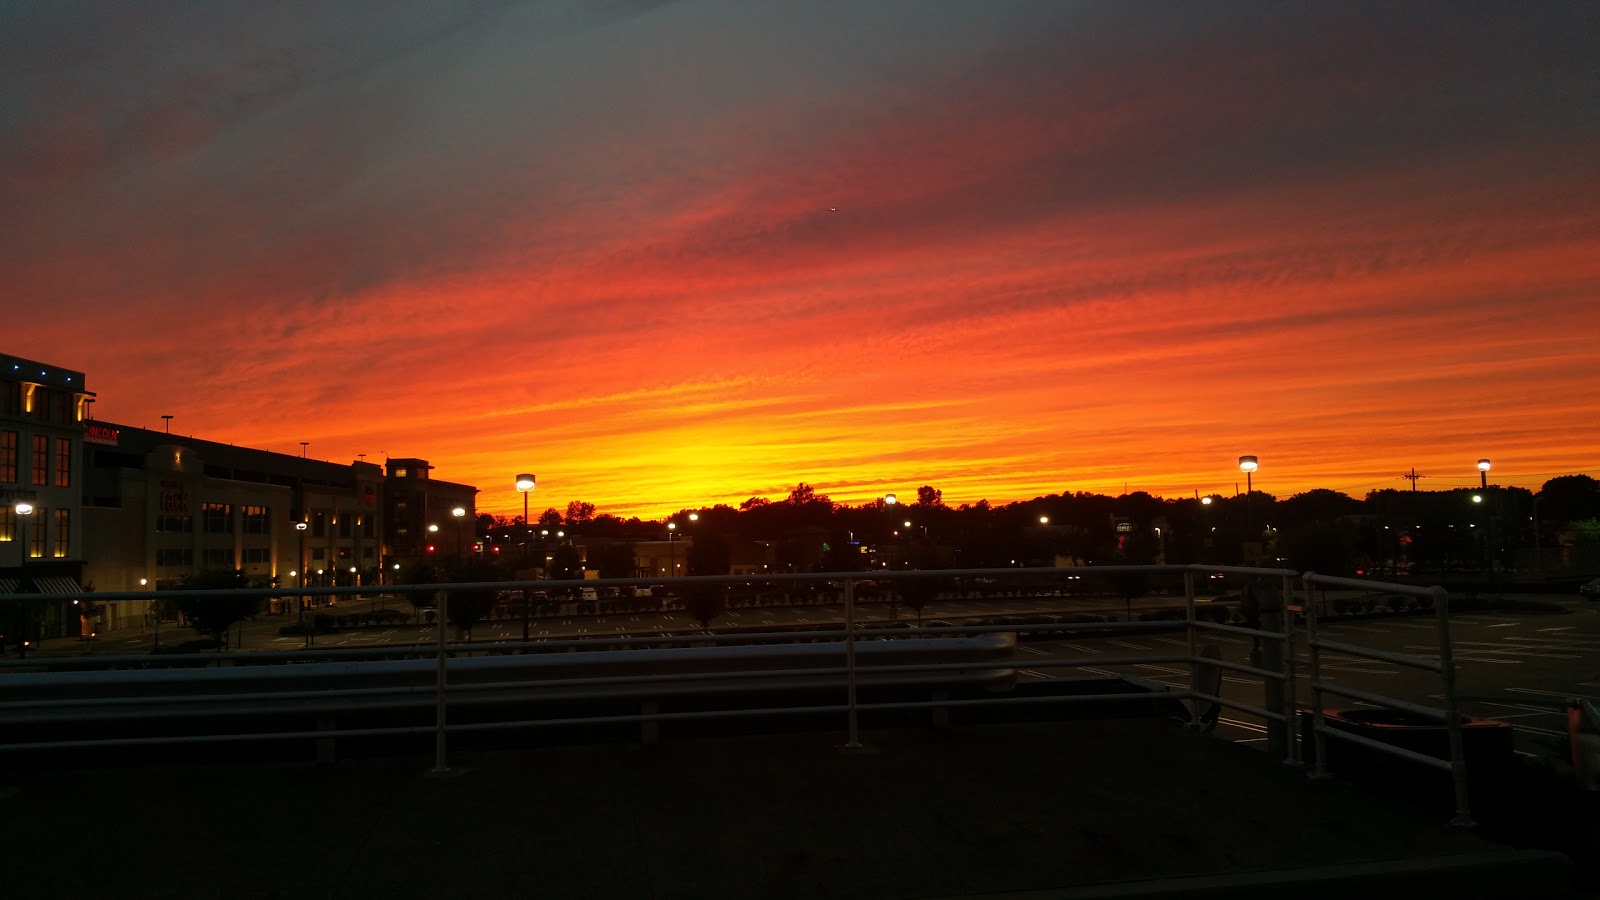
(24, 510)
(300, 615)
(672, 550)
(1247, 465)
(525, 484)
(1483, 474)
(143, 583)
(460, 513)
(168, 422)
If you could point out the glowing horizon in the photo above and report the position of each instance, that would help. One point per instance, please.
(673, 255)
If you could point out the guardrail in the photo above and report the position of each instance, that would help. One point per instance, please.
(1445, 665)
(941, 662)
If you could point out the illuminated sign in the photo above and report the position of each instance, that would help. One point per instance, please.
(95, 433)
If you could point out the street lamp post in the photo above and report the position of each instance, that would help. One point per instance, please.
(525, 484)
(24, 510)
(300, 614)
(1489, 535)
(1247, 465)
(672, 550)
(460, 513)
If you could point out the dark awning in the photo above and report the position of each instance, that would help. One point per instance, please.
(9, 585)
(54, 584)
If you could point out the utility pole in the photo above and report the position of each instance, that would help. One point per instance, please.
(1412, 477)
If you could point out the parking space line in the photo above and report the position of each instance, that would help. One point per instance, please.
(1562, 628)
(1130, 646)
(1027, 649)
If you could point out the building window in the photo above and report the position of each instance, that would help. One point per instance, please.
(401, 473)
(175, 556)
(219, 558)
(344, 526)
(39, 533)
(8, 524)
(319, 524)
(63, 547)
(40, 463)
(173, 524)
(369, 552)
(63, 462)
(369, 525)
(319, 553)
(257, 520)
(8, 457)
(218, 518)
(257, 555)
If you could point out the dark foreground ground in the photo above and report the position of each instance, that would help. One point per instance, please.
(1074, 809)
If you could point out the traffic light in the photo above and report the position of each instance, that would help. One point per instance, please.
(430, 548)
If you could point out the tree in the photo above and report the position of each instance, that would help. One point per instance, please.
(1327, 548)
(615, 561)
(566, 563)
(802, 494)
(213, 616)
(1568, 498)
(708, 555)
(579, 512)
(754, 503)
(929, 496)
(469, 606)
(420, 572)
(704, 602)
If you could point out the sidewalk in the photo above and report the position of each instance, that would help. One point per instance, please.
(1123, 808)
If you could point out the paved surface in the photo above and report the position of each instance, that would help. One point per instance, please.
(1074, 809)
(1515, 667)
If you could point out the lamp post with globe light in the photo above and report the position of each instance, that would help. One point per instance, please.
(1247, 465)
(300, 616)
(525, 484)
(460, 514)
(23, 510)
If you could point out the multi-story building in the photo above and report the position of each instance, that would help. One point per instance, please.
(162, 507)
(420, 511)
(42, 410)
(88, 504)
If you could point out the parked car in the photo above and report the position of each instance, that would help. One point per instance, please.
(1591, 590)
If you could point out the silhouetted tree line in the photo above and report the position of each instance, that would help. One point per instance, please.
(1322, 530)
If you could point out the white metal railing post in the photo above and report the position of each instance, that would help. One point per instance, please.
(1318, 741)
(1289, 701)
(1194, 651)
(1447, 663)
(441, 603)
(854, 742)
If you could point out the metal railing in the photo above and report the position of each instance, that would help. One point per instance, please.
(464, 672)
(1445, 666)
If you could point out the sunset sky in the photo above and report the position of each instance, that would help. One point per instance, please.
(666, 255)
